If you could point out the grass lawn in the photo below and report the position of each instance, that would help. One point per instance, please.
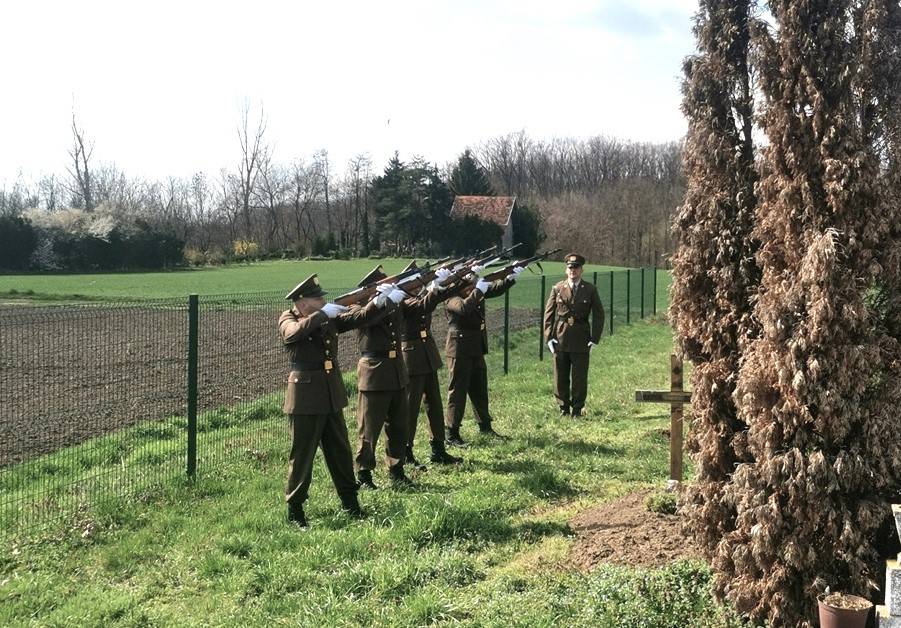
(484, 544)
(273, 276)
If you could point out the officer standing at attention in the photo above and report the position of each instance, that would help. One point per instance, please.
(420, 354)
(569, 336)
(315, 397)
(382, 380)
(465, 349)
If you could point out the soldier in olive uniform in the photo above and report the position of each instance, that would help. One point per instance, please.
(569, 335)
(421, 356)
(465, 349)
(315, 397)
(382, 380)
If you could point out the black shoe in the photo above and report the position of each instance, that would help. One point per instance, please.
(487, 430)
(440, 455)
(453, 437)
(564, 411)
(398, 478)
(351, 505)
(577, 412)
(364, 479)
(296, 516)
(412, 461)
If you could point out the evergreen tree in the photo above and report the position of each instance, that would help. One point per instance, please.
(528, 229)
(468, 178)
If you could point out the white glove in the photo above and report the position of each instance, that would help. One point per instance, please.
(517, 270)
(482, 286)
(552, 345)
(590, 345)
(397, 295)
(477, 270)
(383, 290)
(434, 286)
(441, 274)
(333, 309)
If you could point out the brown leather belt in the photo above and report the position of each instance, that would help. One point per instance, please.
(379, 354)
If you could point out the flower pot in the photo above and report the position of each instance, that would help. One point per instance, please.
(839, 610)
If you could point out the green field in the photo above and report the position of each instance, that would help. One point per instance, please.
(485, 544)
(273, 276)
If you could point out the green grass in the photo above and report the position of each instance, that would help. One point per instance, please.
(274, 276)
(484, 544)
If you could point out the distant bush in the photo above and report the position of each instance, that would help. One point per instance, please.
(18, 240)
(245, 250)
(194, 257)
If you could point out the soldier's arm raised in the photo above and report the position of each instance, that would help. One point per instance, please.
(597, 316)
(363, 316)
(462, 306)
(497, 288)
(292, 329)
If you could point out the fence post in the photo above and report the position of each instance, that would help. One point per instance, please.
(628, 296)
(541, 324)
(654, 306)
(642, 292)
(612, 275)
(507, 330)
(193, 309)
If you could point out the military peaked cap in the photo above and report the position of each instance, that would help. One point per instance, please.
(376, 274)
(574, 260)
(309, 287)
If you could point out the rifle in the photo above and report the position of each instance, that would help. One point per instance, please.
(364, 293)
(460, 265)
(465, 269)
(507, 270)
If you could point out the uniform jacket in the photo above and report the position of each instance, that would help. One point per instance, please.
(566, 317)
(466, 334)
(383, 336)
(312, 343)
(420, 353)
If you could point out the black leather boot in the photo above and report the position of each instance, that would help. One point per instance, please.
(364, 479)
(411, 460)
(453, 437)
(398, 478)
(577, 412)
(440, 455)
(487, 430)
(351, 505)
(564, 411)
(296, 515)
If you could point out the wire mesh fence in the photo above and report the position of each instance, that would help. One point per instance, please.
(107, 401)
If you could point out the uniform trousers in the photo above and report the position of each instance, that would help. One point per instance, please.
(309, 431)
(568, 367)
(377, 409)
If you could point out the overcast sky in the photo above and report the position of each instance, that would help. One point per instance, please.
(159, 86)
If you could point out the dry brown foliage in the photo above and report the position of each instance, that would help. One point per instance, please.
(815, 443)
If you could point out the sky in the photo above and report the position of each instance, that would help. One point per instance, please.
(159, 87)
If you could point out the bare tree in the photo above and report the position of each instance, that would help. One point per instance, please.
(80, 170)
(253, 152)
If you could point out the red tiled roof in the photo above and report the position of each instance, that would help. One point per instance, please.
(496, 209)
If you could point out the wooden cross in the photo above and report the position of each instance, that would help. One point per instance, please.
(676, 397)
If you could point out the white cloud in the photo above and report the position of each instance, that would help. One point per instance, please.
(159, 86)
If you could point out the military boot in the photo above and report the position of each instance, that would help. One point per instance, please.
(296, 515)
(411, 460)
(577, 412)
(564, 411)
(440, 455)
(364, 479)
(351, 505)
(487, 430)
(453, 437)
(398, 478)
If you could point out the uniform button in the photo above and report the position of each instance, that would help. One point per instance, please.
(328, 342)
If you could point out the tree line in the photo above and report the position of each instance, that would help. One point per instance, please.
(605, 197)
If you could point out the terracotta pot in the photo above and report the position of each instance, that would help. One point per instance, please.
(832, 617)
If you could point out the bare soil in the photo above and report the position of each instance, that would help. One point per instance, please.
(625, 532)
(72, 373)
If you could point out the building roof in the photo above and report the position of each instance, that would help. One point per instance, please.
(496, 209)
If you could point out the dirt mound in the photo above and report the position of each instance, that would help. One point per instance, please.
(624, 531)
